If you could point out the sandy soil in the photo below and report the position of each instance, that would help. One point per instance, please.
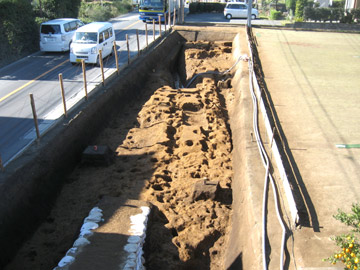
(166, 143)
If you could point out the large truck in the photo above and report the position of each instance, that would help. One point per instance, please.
(150, 10)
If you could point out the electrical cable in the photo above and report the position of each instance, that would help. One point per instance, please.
(268, 176)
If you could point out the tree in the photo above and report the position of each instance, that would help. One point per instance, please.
(290, 5)
(18, 29)
(52, 9)
(299, 10)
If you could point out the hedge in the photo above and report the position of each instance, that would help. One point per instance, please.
(331, 14)
(206, 7)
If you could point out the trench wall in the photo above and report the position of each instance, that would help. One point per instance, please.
(30, 183)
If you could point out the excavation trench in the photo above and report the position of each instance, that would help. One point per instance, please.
(172, 147)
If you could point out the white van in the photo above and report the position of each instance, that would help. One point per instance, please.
(56, 35)
(89, 39)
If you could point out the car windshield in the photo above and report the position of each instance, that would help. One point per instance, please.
(152, 4)
(50, 29)
(85, 37)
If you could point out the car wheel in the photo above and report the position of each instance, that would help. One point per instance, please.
(73, 63)
(253, 16)
(228, 16)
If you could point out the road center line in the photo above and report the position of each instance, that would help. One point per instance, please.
(127, 27)
(33, 80)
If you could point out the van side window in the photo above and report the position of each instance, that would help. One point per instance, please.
(67, 27)
(79, 24)
(101, 38)
(106, 34)
(110, 32)
(73, 26)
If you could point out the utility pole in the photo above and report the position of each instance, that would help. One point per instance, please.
(181, 15)
(249, 11)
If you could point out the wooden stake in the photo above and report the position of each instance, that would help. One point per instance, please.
(146, 35)
(174, 16)
(128, 48)
(159, 25)
(63, 93)
(102, 67)
(1, 165)
(116, 58)
(35, 116)
(137, 40)
(84, 78)
(169, 20)
(154, 29)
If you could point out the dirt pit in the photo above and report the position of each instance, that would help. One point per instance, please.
(168, 144)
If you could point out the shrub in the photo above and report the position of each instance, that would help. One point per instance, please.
(356, 14)
(327, 14)
(324, 14)
(274, 14)
(122, 6)
(309, 13)
(338, 4)
(349, 252)
(336, 14)
(94, 11)
(18, 30)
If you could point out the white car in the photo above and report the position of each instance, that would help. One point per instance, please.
(239, 10)
(89, 39)
(56, 35)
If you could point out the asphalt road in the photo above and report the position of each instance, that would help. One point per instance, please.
(38, 74)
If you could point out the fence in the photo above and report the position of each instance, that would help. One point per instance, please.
(68, 103)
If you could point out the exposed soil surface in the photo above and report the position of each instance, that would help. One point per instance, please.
(169, 145)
